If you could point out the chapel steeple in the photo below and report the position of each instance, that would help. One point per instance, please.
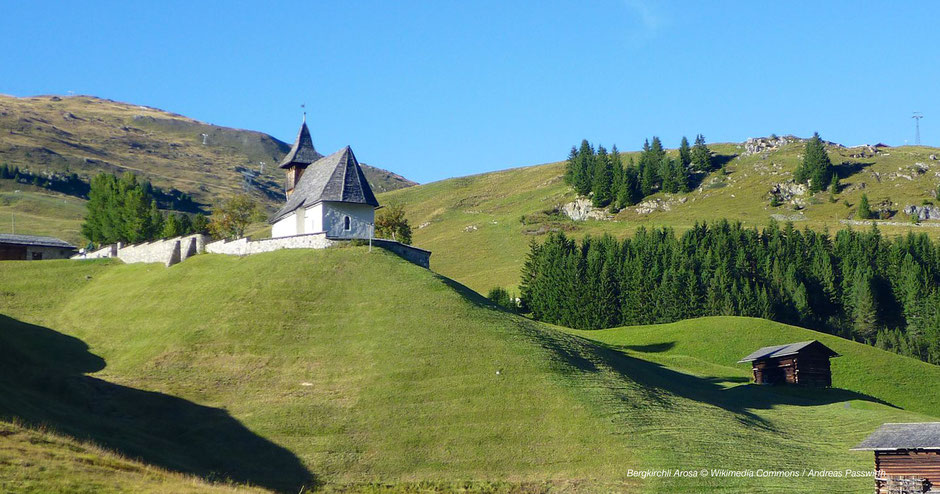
(300, 156)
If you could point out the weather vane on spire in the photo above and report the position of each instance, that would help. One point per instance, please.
(304, 106)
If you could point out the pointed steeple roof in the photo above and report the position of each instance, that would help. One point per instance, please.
(337, 177)
(302, 152)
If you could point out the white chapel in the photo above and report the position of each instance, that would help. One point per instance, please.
(325, 194)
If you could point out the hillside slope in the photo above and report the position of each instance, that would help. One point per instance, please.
(479, 227)
(88, 135)
(342, 367)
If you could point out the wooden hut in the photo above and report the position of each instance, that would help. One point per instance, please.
(33, 248)
(907, 457)
(806, 362)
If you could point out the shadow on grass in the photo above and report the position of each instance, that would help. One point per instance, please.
(652, 348)
(659, 384)
(740, 399)
(848, 168)
(43, 382)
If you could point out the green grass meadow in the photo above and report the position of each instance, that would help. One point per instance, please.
(345, 370)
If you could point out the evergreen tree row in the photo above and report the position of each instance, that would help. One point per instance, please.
(124, 210)
(611, 182)
(858, 285)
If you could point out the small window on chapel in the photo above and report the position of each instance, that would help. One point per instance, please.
(346, 223)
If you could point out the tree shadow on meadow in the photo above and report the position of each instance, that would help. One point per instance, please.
(43, 381)
(740, 399)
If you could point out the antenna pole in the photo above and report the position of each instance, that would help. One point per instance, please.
(917, 116)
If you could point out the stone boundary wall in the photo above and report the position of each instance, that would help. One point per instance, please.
(105, 252)
(165, 251)
(174, 250)
(168, 252)
(244, 247)
(415, 255)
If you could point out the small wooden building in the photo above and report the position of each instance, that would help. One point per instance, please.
(33, 248)
(907, 457)
(806, 362)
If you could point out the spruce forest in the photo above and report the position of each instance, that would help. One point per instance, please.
(612, 183)
(859, 285)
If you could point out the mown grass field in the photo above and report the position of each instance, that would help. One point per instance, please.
(342, 369)
(474, 225)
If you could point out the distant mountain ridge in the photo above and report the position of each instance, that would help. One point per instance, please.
(87, 135)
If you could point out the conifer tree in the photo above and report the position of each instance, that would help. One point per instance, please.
(616, 165)
(864, 310)
(649, 178)
(864, 210)
(571, 167)
(603, 178)
(685, 153)
(816, 168)
(668, 173)
(585, 166)
(682, 177)
(629, 187)
(701, 155)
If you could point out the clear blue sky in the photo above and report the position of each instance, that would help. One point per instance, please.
(446, 88)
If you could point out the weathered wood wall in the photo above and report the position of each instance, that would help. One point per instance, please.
(810, 368)
(908, 464)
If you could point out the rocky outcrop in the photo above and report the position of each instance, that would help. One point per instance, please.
(582, 209)
(923, 212)
(756, 145)
(789, 192)
(647, 207)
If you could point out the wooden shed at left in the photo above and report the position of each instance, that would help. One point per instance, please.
(33, 248)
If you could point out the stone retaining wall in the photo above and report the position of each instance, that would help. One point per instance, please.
(168, 252)
(415, 255)
(174, 250)
(244, 247)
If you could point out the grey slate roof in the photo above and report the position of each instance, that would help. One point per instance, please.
(302, 152)
(6, 238)
(783, 351)
(337, 177)
(889, 437)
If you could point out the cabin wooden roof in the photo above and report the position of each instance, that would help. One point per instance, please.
(34, 240)
(892, 437)
(768, 352)
(337, 177)
(302, 152)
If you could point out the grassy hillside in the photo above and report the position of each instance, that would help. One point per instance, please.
(37, 461)
(479, 227)
(35, 211)
(342, 368)
(88, 135)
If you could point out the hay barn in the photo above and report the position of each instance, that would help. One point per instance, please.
(806, 363)
(907, 457)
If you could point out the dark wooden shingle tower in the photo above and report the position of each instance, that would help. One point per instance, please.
(300, 156)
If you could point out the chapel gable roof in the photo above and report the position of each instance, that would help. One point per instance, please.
(337, 177)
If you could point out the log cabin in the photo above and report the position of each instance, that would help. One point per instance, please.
(806, 362)
(907, 457)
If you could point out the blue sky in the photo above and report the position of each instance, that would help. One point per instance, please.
(445, 88)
